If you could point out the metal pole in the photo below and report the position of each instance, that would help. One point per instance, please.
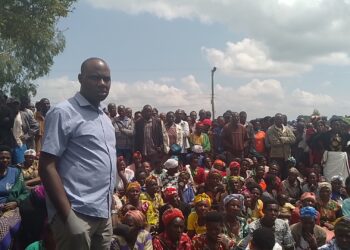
(212, 93)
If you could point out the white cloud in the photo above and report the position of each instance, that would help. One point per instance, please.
(249, 57)
(57, 89)
(304, 98)
(295, 33)
(257, 97)
(270, 88)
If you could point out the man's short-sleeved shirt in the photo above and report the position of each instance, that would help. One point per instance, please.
(82, 137)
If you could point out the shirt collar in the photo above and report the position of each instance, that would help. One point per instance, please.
(83, 102)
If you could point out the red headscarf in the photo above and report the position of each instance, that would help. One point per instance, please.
(170, 214)
(169, 192)
(234, 164)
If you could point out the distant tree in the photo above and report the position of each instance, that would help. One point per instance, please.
(316, 113)
(29, 40)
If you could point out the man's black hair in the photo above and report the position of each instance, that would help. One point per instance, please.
(214, 216)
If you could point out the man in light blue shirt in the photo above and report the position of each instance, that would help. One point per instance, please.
(78, 163)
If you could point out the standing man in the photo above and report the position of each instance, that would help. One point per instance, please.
(180, 120)
(233, 137)
(78, 163)
(249, 145)
(124, 132)
(280, 138)
(148, 134)
(112, 110)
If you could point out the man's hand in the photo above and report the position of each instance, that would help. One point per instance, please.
(311, 239)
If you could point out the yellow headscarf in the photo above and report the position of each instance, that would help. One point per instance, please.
(202, 197)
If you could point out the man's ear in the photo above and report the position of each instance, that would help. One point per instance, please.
(80, 77)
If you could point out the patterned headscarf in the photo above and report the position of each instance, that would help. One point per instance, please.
(231, 197)
(308, 195)
(30, 152)
(138, 216)
(337, 178)
(202, 197)
(134, 184)
(308, 212)
(325, 185)
(170, 214)
(149, 180)
(221, 164)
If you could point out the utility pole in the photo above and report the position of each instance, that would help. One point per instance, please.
(212, 93)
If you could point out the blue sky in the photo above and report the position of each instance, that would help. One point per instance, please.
(288, 56)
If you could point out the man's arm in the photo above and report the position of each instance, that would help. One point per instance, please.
(53, 184)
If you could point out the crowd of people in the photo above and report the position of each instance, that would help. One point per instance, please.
(172, 181)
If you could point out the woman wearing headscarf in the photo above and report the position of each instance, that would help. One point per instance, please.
(220, 165)
(306, 234)
(306, 199)
(214, 188)
(235, 226)
(292, 185)
(254, 211)
(133, 192)
(12, 193)
(30, 168)
(196, 220)
(173, 237)
(153, 197)
(132, 234)
(338, 191)
(329, 209)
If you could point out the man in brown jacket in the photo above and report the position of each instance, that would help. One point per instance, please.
(233, 137)
(280, 138)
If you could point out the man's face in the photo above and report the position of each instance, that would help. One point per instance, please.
(343, 238)
(5, 159)
(308, 224)
(243, 117)
(147, 113)
(193, 116)
(121, 111)
(235, 118)
(170, 118)
(271, 212)
(95, 81)
(45, 105)
(112, 109)
(202, 114)
(278, 120)
(178, 115)
(335, 126)
(128, 112)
